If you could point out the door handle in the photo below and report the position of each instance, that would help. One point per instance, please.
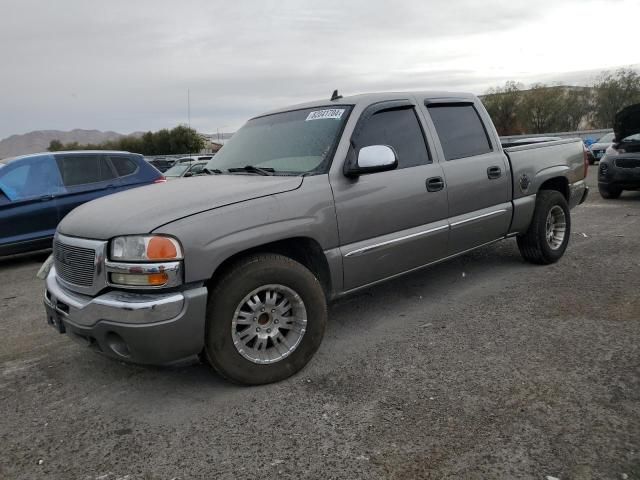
(45, 198)
(435, 184)
(494, 172)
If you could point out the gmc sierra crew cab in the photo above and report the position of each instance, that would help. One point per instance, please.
(301, 206)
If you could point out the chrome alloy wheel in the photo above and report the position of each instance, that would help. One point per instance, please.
(269, 324)
(556, 227)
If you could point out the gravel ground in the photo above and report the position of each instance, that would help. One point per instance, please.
(483, 367)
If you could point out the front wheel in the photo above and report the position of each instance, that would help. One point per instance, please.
(609, 192)
(547, 237)
(265, 319)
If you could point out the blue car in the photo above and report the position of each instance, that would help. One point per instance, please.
(37, 191)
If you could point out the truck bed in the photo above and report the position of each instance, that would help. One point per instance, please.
(532, 164)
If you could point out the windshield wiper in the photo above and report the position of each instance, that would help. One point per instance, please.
(212, 171)
(253, 169)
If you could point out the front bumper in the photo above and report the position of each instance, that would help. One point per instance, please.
(148, 328)
(612, 175)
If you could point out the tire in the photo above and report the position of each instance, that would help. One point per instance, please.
(609, 192)
(534, 244)
(232, 299)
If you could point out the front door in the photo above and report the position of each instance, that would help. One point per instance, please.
(389, 222)
(28, 203)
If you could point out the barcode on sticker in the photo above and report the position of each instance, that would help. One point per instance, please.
(322, 114)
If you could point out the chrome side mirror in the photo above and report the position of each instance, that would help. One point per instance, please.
(371, 159)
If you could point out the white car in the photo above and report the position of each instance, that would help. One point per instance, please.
(604, 142)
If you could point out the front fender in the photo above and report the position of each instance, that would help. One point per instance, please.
(212, 237)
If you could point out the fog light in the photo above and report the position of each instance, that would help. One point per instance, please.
(138, 280)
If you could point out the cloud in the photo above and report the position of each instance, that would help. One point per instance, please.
(126, 66)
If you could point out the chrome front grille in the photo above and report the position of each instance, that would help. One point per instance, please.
(75, 265)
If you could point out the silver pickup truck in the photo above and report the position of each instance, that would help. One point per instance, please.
(302, 205)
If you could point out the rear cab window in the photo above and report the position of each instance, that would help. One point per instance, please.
(460, 130)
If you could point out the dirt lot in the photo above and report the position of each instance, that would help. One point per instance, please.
(483, 367)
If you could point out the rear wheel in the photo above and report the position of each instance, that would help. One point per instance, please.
(609, 192)
(265, 319)
(548, 235)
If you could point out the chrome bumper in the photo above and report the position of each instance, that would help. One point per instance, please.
(578, 192)
(151, 328)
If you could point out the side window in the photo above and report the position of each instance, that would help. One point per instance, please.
(460, 129)
(123, 165)
(398, 128)
(30, 178)
(197, 169)
(83, 169)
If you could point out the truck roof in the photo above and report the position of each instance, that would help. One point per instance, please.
(369, 98)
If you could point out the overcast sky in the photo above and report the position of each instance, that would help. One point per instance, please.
(126, 65)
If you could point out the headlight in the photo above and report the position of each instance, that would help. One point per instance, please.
(145, 248)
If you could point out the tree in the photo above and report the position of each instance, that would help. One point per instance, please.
(502, 103)
(178, 140)
(55, 146)
(577, 106)
(614, 91)
(184, 139)
(541, 108)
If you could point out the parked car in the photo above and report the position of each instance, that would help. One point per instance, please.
(37, 191)
(599, 148)
(304, 205)
(619, 169)
(185, 170)
(163, 164)
(194, 158)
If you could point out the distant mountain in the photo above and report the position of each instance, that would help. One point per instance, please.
(38, 141)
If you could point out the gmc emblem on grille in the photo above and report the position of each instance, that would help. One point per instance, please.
(65, 257)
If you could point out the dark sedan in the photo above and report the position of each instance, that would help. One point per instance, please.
(37, 191)
(619, 169)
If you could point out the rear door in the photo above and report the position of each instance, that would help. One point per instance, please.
(389, 222)
(28, 205)
(85, 176)
(476, 171)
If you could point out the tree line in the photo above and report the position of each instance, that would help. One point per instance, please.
(555, 108)
(178, 140)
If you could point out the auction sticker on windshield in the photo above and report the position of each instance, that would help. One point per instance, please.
(322, 114)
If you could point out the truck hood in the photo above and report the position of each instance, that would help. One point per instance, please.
(143, 209)
(627, 122)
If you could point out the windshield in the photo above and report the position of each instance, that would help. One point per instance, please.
(295, 142)
(176, 170)
(608, 138)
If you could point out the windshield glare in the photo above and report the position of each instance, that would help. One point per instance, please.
(608, 138)
(176, 170)
(294, 142)
(632, 138)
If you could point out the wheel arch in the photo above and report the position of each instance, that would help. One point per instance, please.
(554, 178)
(304, 250)
(560, 184)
